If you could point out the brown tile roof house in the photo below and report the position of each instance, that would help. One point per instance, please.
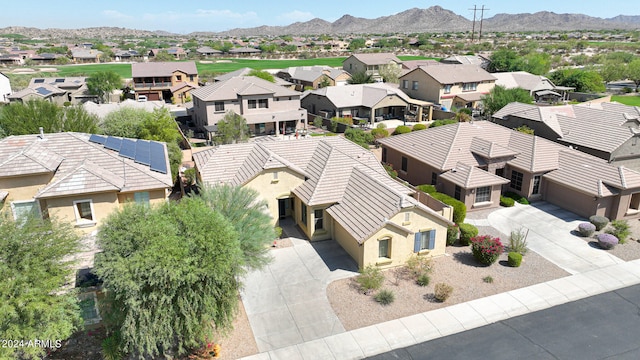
(168, 81)
(370, 63)
(313, 76)
(81, 178)
(57, 90)
(475, 162)
(608, 131)
(332, 189)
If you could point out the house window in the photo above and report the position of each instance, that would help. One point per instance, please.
(407, 217)
(263, 103)
(253, 104)
(219, 105)
(84, 211)
(178, 77)
(456, 192)
(383, 248)
(24, 209)
(424, 240)
(303, 214)
(483, 194)
(275, 175)
(516, 180)
(191, 78)
(384, 155)
(635, 202)
(404, 164)
(318, 214)
(536, 184)
(141, 198)
(469, 86)
(447, 89)
(405, 84)
(414, 86)
(434, 178)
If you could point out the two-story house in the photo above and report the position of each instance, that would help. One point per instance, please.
(168, 81)
(371, 63)
(267, 107)
(314, 77)
(448, 85)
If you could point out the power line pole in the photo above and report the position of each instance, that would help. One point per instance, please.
(473, 29)
(481, 18)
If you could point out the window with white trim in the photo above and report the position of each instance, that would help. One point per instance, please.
(470, 86)
(447, 89)
(483, 194)
(424, 240)
(219, 105)
(405, 84)
(84, 211)
(536, 184)
(516, 180)
(318, 215)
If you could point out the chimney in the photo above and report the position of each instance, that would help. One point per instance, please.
(41, 136)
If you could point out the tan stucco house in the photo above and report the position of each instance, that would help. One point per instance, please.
(474, 162)
(314, 76)
(457, 86)
(168, 81)
(80, 178)
(58, 90)
(371, 63)
(334, 189)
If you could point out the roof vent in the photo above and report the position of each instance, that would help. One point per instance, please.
(41, 135)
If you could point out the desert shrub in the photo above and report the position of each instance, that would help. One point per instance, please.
(418, 265)
(110, 347)
(467, 232)
(370, 279)
(459, 208)
(437, 123)
(278, 231)
(333, 126)
(317, 122)
(488, 279)
(417, 127)
(586, 229)
(599, 221)
(385, 297)
(507, 201)
(619, 229)
(423, 280)
(442, 291)
(607, 241)
(429, 189)
(381, 126)
(486, 249)
(518, 198)
(390, 171)
(379, 133)
(518, 241)
(453, 231)
(514, 259)
(402, 130)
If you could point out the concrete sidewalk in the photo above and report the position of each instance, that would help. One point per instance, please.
(399, 333)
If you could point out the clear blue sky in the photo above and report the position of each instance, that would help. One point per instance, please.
(187, 16)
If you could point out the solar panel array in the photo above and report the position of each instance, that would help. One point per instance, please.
(150, 153)
(43, 91)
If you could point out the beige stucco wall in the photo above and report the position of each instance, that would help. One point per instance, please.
(348, 243)
(572, 200)
(353, 65)
(63, 209)
(271, 189)
(155, 197)
(22, 188)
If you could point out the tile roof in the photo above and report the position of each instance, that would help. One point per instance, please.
(523, 80)
(155, 69)
(355, 95)
(30, 159)
(470, 177)
(455, 74)
(312, 73)
(240, 85)
(377, 58)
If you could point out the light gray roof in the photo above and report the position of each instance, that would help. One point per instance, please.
(469, 177)
(240, 72)
(244, 50)
(156, 69)
(456, 74)
(82, 53)
(42, 90)
(464, 60)
(78, 165)
(377, 58)
(312, 73)
(207, 50)
(523, 80)
(59, 82)
(367, 95)
(240, 85)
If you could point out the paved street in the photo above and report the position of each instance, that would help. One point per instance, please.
(604, 326)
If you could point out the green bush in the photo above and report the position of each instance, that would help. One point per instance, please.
(417, 127)
(390, 171)
(402, 130)
(519, 198)
(381, 126)
(317, 122)
(488, 279)
(486, 249)
(507, 201)
(453, 231)
(437, 123)
(385, 297)
(442, 291)
(379, 133)
(467, 231)
(429, 189)
(599, 221)
(423, 280)
(514, 259)
(370, 279)
(459, 208)
(619, 229)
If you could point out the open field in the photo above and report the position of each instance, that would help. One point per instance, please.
(631, 100)
(227, 65)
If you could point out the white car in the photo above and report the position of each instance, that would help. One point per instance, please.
(142, 98)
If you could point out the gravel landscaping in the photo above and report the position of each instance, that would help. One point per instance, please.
(628, 251)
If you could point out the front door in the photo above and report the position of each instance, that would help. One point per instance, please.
(282, 207)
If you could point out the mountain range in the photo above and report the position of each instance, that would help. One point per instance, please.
(433, 19)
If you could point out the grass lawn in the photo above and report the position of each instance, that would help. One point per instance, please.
(228, 65)
(631, 100)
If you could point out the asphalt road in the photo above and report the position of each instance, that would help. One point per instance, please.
(605, 326)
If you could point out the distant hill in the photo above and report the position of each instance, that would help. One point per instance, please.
(433, 19)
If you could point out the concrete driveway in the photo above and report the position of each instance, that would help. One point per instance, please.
(286, 302)
(551, 234)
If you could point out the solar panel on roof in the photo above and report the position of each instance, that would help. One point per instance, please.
(59, 80)
(128, 148)
(142, 152)
(42, 91)
(158, 158)
(38, 81)
(113, 143)
(97, 139)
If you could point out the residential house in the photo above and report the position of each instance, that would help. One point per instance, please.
(477, 60)
(371, 63)
(475, 161)
(127, 55)
(607, 130)
(314, 77)
(207, 51)
(176, 52)
(245, 72)
(47, 58)
(333, 189)
(80, 178)
(539, 87)
(267, 107)
(168, 81)
(245, 51)
(11, 59)
(5, 88)
(413, 64)
(457, 86)
(84, 55)
(368, 103)
(58, 90)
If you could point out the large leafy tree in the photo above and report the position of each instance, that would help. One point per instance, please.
(240, 205)
(170, 274)
(588, 81)
(633, 72)
(26, 118)
(503, 60)
(102, 83)
(359, 137)
(232, 128)
(262, 75)
(34, 266)
(500, 96)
